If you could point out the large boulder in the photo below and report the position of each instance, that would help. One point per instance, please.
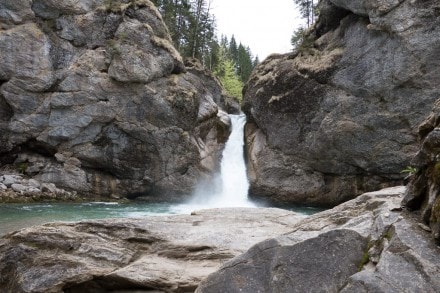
(162, 253)
(94, 98)
(364, 245)
(338, 116)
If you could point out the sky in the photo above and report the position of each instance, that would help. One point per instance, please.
(265, 26)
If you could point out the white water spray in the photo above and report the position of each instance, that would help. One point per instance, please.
(234, 182)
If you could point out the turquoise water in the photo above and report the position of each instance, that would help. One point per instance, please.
(17, 216)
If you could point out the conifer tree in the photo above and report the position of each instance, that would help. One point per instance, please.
(307, 9)
(233, 49)
(244, 63)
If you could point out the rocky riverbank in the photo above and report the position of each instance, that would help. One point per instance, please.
(368, 244)
(15, 188)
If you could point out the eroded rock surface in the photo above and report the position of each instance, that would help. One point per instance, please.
(423, 188)
(339, 116)
(94, 98)
(163, 253)
(364, 245)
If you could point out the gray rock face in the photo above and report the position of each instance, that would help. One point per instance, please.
(276, 268)
(163, 253)
(339, 118)
(363, 245)
(424, 184)
(93, 97)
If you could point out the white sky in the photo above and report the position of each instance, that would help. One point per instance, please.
(265, 26)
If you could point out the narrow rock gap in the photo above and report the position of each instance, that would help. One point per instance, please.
(6, 111)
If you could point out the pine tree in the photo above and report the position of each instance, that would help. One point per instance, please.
(226, 72)
(307, 9)
(244, 63)
(233, 49)
(256, 61)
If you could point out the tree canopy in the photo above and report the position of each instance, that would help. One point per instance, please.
(193, 31)
(309, 11)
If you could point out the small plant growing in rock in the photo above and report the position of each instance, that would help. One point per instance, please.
(22, 167)
(113, 47)
(409, 170)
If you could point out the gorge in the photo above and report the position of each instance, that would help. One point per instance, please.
(95, 99)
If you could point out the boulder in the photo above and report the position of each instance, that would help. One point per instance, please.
(19, 187)
(364, 245)
(94, 98)
(8, 180)
(163, 253)
(339, 115)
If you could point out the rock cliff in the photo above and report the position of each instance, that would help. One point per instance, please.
(94, 98)
(339, 116)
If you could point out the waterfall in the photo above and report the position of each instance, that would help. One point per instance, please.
(230, 187)
(233, 176)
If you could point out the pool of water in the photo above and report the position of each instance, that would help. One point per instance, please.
(17, 216)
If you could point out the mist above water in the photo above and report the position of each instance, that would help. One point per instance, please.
(230, 187)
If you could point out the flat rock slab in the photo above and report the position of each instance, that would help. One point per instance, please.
(165, 253)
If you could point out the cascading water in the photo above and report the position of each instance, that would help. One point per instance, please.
(234, 184)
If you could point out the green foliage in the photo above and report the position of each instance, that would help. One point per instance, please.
(301, 40)
(364, 260)
(409, 170)
(226, 72)
(192, 28)
(22, 167)
(113, 47)
(308, 10)
(117, 6)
